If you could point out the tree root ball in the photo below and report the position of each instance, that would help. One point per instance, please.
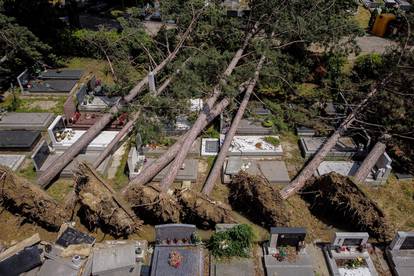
(29, 200)
(100, 206)
(338, 197)
(258, 200)
(199, 209)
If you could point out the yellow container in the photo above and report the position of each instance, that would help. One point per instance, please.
(381, 23)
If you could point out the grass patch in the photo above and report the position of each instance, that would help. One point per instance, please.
(60, 189)
(121, 179)
(91, 66)
(396, 199)
(28, 171)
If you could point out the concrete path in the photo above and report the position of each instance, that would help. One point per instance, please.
(116, 161)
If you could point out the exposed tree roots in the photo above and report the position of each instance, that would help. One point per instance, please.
(200, 210)
(181, 206)
(29, 200)
(258, 200)
(152, 206)
(334, 195)
(100, 206)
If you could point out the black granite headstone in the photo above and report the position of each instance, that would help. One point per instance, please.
(408, 244)
(41, 154)
(73, 236)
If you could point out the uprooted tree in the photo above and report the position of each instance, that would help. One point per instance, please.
(100, 206)
(338, 197)
(27, 199)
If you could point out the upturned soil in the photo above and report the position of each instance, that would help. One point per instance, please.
(336, 196)
(258, 200)
(21, 197)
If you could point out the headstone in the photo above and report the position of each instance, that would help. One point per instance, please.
(138, 142)
(174, 231)
(40, 155)
(73, 236)
(286, 236)
(80, 95)
(350, 239)
(151, 82)
(403, 241)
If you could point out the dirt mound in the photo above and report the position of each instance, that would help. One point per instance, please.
(200, 210)
(29, 200)
(152, 206)
(257, 199)
(100, 206)
(345, 201)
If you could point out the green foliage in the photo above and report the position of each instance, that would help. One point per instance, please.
(234, 242)
(19, 49)
(211, 132)
(272, 140)
(11, 102)
(369, 66)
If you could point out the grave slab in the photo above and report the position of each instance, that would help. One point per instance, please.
(345, 148)
(25, 121)
(274, 171)
(12, 161)
(188, 172)
(18, 140)
(252, 145)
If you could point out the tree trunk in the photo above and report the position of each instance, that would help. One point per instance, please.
(55, 168)
(198, 125)
(218, 164)
(369, 162)
(149, 171)
(317, 159)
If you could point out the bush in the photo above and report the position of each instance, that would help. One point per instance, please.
(368, 66)
(234, 242)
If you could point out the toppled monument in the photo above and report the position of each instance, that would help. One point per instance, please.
(258, 199)
(344, 200)
(30, 201)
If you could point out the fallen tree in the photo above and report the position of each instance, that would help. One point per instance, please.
(100, 206)
(150, 171)
(198, 125)
(369, 162)
(30, 201)
(218, 164)
(127, 128)
(56, 167)
(254, 197)
(338, 197)
(310, 168)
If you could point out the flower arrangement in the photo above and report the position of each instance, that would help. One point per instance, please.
(175, 259)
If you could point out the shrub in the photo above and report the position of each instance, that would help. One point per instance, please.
(368, 66)
(234, 242)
